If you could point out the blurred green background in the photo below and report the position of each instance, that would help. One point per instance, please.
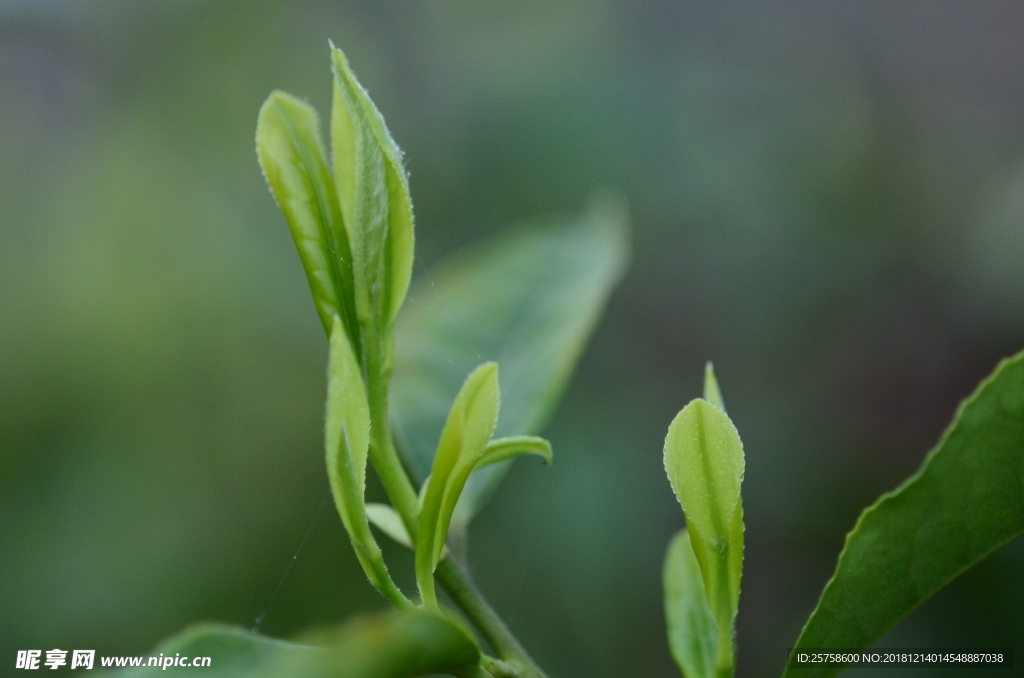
(828, 202)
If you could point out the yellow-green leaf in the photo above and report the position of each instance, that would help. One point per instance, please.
(347, 440)
(291, 155)
(704, 463)
(373, 192)
(692, 632)
(501, 449)
(712, 393)
(497, 451)
(463, 440)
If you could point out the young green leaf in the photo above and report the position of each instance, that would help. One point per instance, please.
(712, 393)
(291, 155)
(463, 440)
(347, 440)
(497, 451)
(704, 463)
(528, 299)
(501, 449)
(966, 501)
(692, 633)
(373, 191)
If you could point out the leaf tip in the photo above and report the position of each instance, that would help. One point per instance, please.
(712, 392)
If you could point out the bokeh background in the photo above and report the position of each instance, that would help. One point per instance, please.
(828, 202)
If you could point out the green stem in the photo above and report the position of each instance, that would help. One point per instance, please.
(726, 659)
(465, 594)
(383, 455)
(377, 572)
(403, 497)
(497, 668)
(475, 672)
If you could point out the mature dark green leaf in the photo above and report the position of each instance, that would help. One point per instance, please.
(966, 501)
(392, 645)
(529, 300)
(347, 441)
(292, 158)
(692, 633)
(373, 191)
(463, 440)
(704, 463)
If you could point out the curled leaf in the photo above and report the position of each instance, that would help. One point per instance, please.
(501, 449)
(291, 155)
(347, 441)
(463, 440)
(373, 192)
(704, 463)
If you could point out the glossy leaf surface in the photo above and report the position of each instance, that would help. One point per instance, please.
(704, 462)
(528, 299)
(393, 645)
(291, 155)
(463, 440)
(966, 501)
(347, 441)
(692, 634)
(373, 192)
